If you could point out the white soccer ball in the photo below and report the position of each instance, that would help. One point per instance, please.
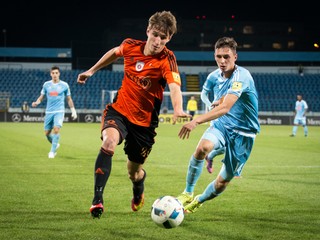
(167, 212)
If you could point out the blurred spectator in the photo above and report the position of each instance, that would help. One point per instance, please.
(25, 107)
(192, 106)
(301, 70)
(165, 110)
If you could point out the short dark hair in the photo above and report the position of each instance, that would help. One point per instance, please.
(164, 21)
(55, 68)
(226, 42)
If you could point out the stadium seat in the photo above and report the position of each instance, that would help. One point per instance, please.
(277, 92)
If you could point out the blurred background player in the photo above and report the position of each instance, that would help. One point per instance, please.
(192, 107)
(56, 91)
(133, 116)
(235, 127)
(301, 108)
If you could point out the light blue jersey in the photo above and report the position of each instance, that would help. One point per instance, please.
(214, 86)
(55, 94)
(243, 116)
(301, 109)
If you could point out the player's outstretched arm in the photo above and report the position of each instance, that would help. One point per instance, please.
(108, 58)
(216, 112)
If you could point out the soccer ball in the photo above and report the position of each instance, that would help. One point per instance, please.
(167, 212)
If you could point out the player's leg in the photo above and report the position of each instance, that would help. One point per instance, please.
(305, 128)
(48, 127)
(102, 168)
(55, 135)
(211, 156)
(138, 146)
(212, 138)
(237, 153)
(194, 171)
(295, 127)
(111, 127)
(55, 139)
(137, 175)
(192, 113)
(213, 189)
(48, 135)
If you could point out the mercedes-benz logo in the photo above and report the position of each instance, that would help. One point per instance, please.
(88, 118)
(16, 117)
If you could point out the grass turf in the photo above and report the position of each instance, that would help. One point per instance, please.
(276, 198)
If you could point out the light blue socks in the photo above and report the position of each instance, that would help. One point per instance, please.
(194, 172)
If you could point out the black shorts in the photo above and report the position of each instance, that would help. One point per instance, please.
(138, 140)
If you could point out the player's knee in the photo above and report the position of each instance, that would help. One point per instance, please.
(204, 148)
(131, 177)
(134, 177)
(109, 144)
(56, 130)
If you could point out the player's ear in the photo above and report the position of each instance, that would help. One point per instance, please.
(235, 56)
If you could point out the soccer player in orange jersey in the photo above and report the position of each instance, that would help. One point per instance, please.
(133, 116)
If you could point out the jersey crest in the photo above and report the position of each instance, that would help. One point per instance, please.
(139, 65)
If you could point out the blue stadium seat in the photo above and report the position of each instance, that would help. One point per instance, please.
(277, 92)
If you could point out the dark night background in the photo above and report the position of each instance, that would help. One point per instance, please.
(58, 23)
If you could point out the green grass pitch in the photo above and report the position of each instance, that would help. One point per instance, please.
(278, 196)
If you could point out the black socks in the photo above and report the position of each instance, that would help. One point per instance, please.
(102, 172)
(138, 188)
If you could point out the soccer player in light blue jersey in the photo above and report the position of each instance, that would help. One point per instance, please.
(55, 90)
(235, 126)
(301, 108)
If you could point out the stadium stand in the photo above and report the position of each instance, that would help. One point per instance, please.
(277, 91)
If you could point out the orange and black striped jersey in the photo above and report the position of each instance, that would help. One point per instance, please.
(145, 77)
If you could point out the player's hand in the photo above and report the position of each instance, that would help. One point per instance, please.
(214, 104)
(73, 113)
(35, 104)
(83, 77)
(74, 116)
(177, 115)
(187, 128)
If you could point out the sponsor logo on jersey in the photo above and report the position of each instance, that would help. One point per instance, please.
(236, 86)
(54, 93)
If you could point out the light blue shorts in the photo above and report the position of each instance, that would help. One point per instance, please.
(300, 121)
(238, 148)
(53, 120)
